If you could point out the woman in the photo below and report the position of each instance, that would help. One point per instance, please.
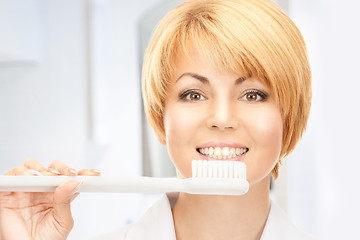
(217, 76)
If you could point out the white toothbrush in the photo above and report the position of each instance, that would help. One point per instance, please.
(209, 178)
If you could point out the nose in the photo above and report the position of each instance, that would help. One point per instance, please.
(222, 115)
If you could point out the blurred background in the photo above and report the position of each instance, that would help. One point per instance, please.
(70, 91)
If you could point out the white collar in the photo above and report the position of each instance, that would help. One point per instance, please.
(158, 223)
(279, 226)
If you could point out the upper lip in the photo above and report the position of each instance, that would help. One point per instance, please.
(221, 144)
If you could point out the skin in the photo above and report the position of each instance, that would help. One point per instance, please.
(221, 112)
(40, 215)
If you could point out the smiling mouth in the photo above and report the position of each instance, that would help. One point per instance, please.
(222, 153)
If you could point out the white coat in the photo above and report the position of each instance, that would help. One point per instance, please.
(157, 224)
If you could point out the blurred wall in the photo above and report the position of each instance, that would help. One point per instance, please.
(323, 178)
(43, 90)
(76, 97)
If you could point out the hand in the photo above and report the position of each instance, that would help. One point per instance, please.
(40, 216)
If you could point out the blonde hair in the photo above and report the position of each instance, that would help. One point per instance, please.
(252, 37)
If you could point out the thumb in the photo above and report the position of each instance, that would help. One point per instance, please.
(63, 196)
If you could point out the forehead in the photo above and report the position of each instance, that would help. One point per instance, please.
(206, 63)
(194, 58)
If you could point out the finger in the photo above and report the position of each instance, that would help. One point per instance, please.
(19, 170)
(34, 164)
(32, 172)
(15, 170)
(51, 172)
(63, 168)
(63, 196)
(5, 194)
(74, 197)
(87, 172)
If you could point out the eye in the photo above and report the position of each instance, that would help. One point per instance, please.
(192, 96)
(254, 96)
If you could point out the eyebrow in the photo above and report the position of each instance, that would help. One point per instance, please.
(205, 80)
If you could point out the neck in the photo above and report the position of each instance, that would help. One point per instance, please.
(223, 217)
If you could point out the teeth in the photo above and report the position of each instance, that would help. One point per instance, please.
(225, 151)
(217, 151)
(211, 150)
(222, 153)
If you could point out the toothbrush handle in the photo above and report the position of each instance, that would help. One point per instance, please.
(132, 185)
(91, 184)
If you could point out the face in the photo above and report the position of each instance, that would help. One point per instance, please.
(220, 115)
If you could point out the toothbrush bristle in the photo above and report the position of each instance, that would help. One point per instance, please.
(218, 169)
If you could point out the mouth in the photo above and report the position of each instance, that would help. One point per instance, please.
(222, 153)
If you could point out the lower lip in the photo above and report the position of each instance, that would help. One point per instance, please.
(237, 158)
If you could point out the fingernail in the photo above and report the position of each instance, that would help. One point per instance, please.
(73, 171)
(76, 190)
(54, 171)
(34, 172)
(74, 196)
(95, 170)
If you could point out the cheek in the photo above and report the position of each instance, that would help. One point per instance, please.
(180, 127)
(266, 132)
(177, 127)
(269, 131)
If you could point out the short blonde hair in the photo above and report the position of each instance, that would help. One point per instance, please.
(252, 37)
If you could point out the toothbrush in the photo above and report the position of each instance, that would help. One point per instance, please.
(209, 178)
